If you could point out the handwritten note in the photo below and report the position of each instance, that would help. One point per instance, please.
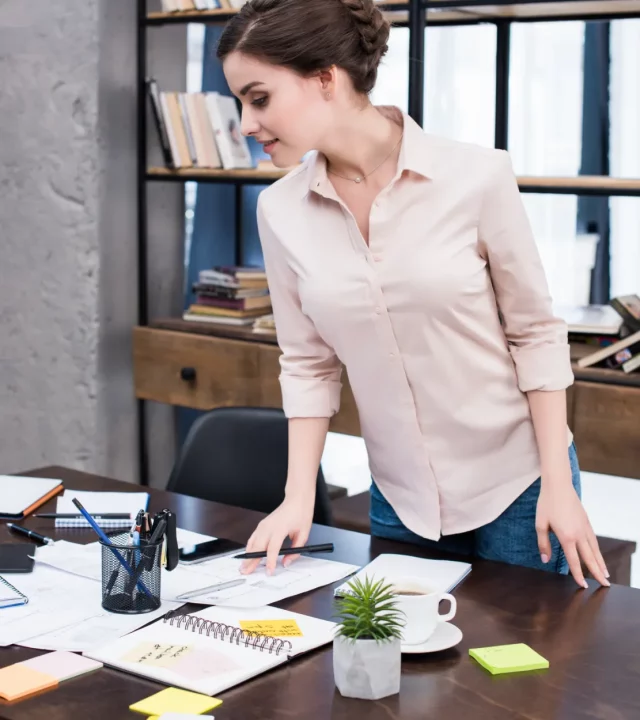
(272, 628)
(157, 654)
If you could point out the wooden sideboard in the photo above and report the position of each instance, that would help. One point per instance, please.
(204, 366)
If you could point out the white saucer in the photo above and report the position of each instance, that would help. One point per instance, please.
(445, 636)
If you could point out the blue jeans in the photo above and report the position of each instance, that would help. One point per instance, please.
(510, 538)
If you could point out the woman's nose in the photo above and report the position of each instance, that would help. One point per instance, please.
(248, 124)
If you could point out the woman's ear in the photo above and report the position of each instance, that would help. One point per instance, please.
(327, 79)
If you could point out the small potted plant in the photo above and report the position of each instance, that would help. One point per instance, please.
(366, 647)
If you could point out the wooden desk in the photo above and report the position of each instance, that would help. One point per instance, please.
(591, 639)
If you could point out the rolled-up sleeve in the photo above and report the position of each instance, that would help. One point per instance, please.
(310, 377)
(537, 339)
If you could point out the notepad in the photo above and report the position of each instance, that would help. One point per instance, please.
(175, 700)
(208, 652)
(62, 665)
(18, 681)
(509, 658)
(20, 496)
(101, 502)
(10, 595)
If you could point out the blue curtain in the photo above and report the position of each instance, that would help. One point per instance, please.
(593, 211)
(213, 241)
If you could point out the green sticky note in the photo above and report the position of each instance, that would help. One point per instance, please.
(175, 700)
(509, 658)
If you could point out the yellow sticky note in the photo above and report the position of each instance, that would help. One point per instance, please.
(18, 681)
(175, 700)
(272, 628)
(509, 658)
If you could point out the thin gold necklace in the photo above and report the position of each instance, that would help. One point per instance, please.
(360, 178)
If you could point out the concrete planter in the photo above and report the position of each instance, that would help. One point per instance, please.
(367, 669)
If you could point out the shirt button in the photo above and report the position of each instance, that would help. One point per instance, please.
(378, 311)
(391, 355)
(377, 258)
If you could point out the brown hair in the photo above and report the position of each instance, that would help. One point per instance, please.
(311, 35)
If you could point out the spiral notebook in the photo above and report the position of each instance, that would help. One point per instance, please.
(215, 649)
(10, 596)
(101, 502)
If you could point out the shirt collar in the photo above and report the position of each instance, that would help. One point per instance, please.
(416, 153)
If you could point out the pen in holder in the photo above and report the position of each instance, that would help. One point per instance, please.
(121, 589)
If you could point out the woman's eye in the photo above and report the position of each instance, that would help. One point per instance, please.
(260, 102)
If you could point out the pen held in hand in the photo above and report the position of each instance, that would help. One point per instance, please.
(323, 548)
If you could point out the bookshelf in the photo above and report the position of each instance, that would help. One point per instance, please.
(248, 356)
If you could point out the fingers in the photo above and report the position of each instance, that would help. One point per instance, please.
(255, 544)
(591, 562)
(298, 539)
(571, 553)
(544, 544)
(273, 550)
(595, 548)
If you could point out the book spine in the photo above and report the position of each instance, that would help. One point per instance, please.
(630, 320)
(163, 135)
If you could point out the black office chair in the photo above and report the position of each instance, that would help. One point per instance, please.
(239, 456)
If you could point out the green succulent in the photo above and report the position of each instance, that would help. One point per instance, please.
(368, 611)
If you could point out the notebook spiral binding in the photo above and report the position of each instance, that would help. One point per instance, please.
(254, 640)
(18, 598)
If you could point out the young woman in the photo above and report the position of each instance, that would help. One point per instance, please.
(407, 258)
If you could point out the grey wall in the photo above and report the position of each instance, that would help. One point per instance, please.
(67, 234)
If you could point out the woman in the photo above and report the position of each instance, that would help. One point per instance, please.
(407, 258)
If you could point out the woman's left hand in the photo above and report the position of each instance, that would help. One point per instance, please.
(560, 510)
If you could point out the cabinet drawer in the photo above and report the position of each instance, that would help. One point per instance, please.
(195, 371)
(607, 428)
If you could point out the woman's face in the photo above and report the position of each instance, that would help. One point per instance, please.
(285, 112)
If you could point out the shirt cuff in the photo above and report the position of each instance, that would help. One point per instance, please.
(309, 397)
(545, 367)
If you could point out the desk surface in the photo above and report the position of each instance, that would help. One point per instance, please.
(590, 637)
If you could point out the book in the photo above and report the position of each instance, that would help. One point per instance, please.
(627, 343)
(158, 116)
(232, 145)
(502, 659)
(20, 496)
(632, 364)
(441, 575)
(215, 649)
(628, 307)
(591, 319)
(217, 320)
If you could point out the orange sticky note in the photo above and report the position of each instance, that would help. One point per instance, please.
(18, 681)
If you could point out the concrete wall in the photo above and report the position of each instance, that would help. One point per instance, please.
(68, 233)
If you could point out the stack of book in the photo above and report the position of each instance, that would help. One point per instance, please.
(605, 336)
(186, 5)
(199, 130)
(230, 295)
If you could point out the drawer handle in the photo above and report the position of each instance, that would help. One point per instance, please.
(188, 374)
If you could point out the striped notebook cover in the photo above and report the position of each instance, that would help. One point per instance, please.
(9, 595)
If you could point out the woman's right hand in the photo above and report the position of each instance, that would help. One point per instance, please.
(293, 519)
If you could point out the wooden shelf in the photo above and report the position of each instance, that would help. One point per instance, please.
(581, 185)
(597, 375)
(455, 12)
(208, 175)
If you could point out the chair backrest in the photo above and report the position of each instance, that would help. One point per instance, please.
(239, 456)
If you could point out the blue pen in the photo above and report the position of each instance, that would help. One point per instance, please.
(108, 542)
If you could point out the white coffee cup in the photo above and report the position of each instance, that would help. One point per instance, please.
(421, 607)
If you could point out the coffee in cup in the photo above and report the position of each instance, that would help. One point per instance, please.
(420, 605)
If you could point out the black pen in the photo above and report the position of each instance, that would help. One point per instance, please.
(98, 516)
(30, 534)
(324, 548)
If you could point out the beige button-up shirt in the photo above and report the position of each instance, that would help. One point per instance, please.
(443, 322)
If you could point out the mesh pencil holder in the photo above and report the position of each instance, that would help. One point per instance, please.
(130, 575)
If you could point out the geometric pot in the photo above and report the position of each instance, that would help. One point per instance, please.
(367, 669)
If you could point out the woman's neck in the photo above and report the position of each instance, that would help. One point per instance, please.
(362, 139)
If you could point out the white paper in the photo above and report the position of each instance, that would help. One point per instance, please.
(441, 575)
(65, 613)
